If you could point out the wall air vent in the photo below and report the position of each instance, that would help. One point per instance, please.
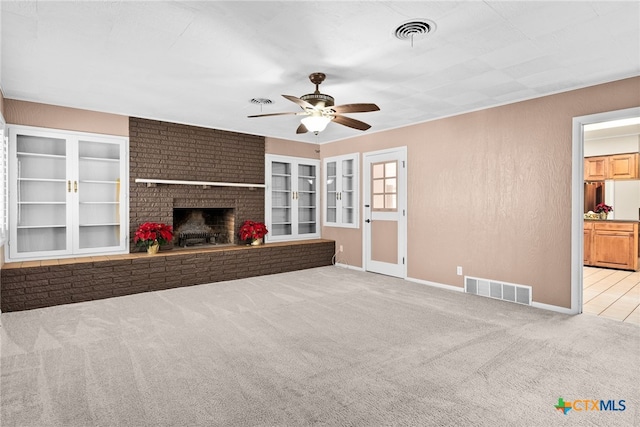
(520, 294)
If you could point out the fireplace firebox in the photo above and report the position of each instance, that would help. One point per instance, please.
(203, 226)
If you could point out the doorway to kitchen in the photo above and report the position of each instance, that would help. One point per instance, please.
(578, 196)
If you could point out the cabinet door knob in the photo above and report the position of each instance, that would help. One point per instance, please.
(69, 186)
(75, 186)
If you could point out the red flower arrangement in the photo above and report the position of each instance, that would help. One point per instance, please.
(601, 207)
(252, 230)
(151, 232)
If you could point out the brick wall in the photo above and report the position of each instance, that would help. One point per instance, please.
(164, 150)
(84, 280)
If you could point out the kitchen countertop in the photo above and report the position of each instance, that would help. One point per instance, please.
(612, 220)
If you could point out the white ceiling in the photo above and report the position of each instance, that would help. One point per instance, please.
(202, 62)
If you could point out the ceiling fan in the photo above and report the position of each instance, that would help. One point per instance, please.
(319, 109)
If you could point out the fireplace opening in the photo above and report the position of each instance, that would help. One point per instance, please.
(203, 226)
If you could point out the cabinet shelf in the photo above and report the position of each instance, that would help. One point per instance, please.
(27, 227)
(41, 155)
(42, 203)
(100, 159)
(42, 179)
(99, 203)
(89, 181)
(104, 224)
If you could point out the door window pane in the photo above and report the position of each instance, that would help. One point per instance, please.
(384, 185)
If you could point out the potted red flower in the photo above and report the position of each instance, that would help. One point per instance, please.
(153, 234)
(603, 210)
(254, 231)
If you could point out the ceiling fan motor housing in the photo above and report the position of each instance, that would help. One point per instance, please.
(318, 100)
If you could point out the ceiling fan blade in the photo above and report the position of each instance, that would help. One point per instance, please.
(354, 108)
(302, 103)
(276, 114)
(302, 129)
(352, 123)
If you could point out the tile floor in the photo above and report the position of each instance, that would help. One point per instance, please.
(614, 294)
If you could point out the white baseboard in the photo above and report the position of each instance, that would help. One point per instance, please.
(534, 304)
(436, 285)
(348, 267)
(550, 307)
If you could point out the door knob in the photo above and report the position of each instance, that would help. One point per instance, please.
(367, 221)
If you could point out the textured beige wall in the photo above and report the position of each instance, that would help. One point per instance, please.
(285, 147)
(491, 190)
(56, 117)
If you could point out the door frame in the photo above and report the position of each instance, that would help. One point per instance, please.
(577, 196)
(402, 192)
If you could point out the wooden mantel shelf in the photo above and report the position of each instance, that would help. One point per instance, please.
(152, 182)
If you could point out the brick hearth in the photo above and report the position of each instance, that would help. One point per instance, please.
(35, 284)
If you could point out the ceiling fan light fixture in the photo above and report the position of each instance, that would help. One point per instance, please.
(315, 124)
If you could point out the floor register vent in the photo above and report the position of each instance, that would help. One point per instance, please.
(520, 294)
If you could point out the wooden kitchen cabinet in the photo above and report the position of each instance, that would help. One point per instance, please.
(611, 244)
(623, 166)
(595, 168)
(588, 234)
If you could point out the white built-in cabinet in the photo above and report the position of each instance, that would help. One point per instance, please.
(292, 198)
(68, 193)
(341, 191)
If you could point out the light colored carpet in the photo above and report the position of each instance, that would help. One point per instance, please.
(325, 346)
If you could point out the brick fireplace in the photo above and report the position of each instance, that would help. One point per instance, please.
(160, 150)
(163, 150)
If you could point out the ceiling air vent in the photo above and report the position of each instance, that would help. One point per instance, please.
(415, 28)
(261, 102)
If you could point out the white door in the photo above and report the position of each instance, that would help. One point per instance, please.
(385, 215)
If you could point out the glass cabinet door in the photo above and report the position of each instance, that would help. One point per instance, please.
(69, 196)
(281, 197)
(291, 203)
(341, 183)
(98, 189)
(306, 198)
(347, 193)
(40, 201)
(332, 192)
